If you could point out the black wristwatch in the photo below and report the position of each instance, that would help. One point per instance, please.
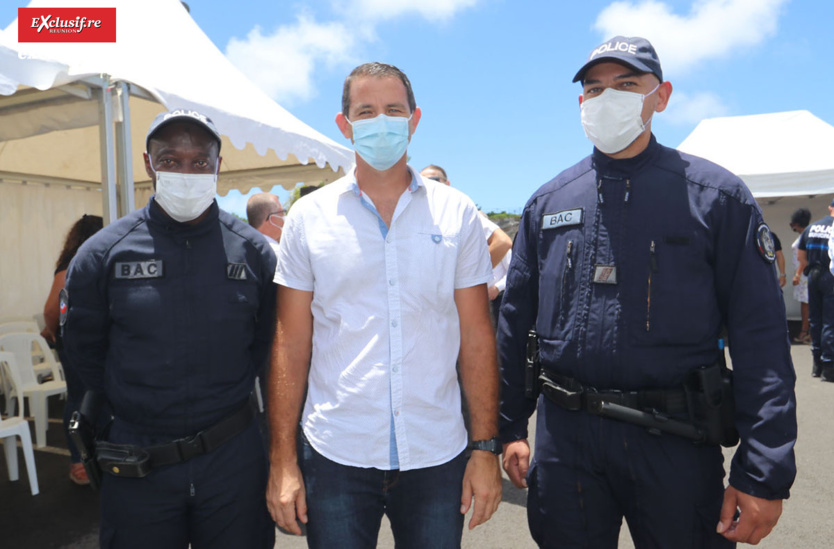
(491, 445)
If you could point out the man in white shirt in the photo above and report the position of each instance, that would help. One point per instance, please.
(372, 268)
(265, 213)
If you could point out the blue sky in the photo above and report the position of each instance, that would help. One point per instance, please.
(493, 77)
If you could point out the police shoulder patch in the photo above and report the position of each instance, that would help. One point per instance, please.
(63, 306)
(764, 242)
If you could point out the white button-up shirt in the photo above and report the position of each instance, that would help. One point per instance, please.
(383, 389)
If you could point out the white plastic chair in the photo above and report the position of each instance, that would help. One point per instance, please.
(14, 326)
(20, 345)
(27, 326)
(17, 427)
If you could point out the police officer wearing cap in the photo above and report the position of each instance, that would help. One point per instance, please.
(628, 266)
(170, 316)
(813, 256)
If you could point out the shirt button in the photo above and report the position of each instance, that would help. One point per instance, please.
(397, 413)
(392, 282)
(394, 323)
(395, 369)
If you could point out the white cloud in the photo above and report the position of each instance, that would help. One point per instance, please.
(283, 63)
(712, 29)
(688, 109)
(433, 10)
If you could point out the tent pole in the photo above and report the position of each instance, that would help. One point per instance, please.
(124, 150)
(108, 170)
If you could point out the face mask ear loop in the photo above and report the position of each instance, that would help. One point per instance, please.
(646, 123)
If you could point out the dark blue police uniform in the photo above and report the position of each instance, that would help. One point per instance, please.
(628, 270)
(814, 241)
(172, 322)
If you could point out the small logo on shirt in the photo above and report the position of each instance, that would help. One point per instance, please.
(236, 271)
(564, 218)
(605, 274)
(131, 270)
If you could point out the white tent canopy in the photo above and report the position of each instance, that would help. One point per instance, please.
(74, 118)
(778, 154)
(161, 60)
(784, 158)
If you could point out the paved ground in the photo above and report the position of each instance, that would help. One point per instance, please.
(65, 516)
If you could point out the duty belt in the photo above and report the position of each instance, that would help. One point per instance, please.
(572, 395)
(203, 442)
(126, 460)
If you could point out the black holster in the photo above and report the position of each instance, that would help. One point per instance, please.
(123, 460)
(709, 395)
(83, 434)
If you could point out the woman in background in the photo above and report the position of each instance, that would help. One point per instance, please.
(800, 220)
(83, 229)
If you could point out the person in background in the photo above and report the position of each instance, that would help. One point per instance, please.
(814, 261)
(780, 259)
(81, 230)
(307, 189)
(799, 222)
(265, 213)
(498, 241)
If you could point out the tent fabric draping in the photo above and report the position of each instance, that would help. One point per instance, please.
(58, 100)
(162, 52)
(777, 154)
(784, 159)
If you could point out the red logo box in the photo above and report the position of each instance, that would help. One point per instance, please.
(66, 24)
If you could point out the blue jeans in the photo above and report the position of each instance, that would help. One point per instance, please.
(345, 504)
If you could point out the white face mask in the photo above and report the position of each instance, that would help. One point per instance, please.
(614, 119)
(184, 196)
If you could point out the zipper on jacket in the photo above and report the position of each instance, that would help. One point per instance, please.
(628, 190)
(652, 270)
(565, 277)
(599, 192)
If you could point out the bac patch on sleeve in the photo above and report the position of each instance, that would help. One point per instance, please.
(132, 270)
(565, 218)
(764, 241)
(236, 271)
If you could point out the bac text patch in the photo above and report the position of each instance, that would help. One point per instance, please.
(151, 268)
(564, 218)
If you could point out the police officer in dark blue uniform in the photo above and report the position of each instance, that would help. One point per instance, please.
(814, 261)
(170, 315)
(628, 266)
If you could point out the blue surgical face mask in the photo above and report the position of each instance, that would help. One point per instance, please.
(381, 141)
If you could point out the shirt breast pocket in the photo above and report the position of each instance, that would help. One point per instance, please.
(428, 266)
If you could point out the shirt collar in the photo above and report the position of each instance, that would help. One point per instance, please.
(352, 186)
